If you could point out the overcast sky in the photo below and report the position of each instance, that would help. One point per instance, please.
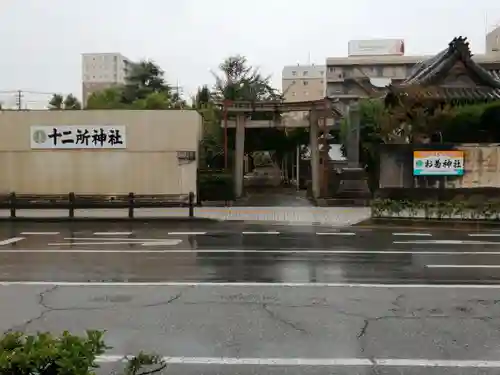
(43, 39)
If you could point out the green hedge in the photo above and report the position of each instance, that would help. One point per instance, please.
(215, 185)
(472, 209)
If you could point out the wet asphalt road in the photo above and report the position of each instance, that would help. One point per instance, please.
(235, 298)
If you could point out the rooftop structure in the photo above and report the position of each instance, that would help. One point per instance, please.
(454, 75)
(355, 76)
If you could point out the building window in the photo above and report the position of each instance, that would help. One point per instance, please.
(331, 69)
(294, 73)
(305, 83)
(293, 93)
(341, 75)
(306, 73)
(321, 72)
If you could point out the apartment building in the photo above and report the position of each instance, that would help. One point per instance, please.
(101, 71)
(303, 82)
(493, 42)
(355, 75)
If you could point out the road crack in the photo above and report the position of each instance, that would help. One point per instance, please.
(45, 309)
(275, 316)
(363, 329)
(168, 301)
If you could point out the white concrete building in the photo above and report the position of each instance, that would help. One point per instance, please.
(101, 71)
(303, 82)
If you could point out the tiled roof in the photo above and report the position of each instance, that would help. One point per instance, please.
(495, 73)
(470, 93)
(432, 71)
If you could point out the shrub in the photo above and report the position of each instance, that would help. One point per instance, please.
(67, 354)
(216, 185)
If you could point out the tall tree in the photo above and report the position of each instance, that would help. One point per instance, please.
(144, 78)
(72, 103)
(238, 80)
(56, 102)
(202, 97)
(145, 88)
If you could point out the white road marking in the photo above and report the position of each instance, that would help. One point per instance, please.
(186, 233)
(166, 242)
(462, 266)
(112, 233)
(335, 234)
(127, 239)
(317, 362)
(228, 251)
(446, 242)
(413, 234)
(162, 243)
(95, 243)
(39, 233)
(484, 234)
(256, 284)
(11, 240)
(268, 232)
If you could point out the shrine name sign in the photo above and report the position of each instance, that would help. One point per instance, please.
(78, 137)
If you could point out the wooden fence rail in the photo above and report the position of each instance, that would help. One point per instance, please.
(72, 201)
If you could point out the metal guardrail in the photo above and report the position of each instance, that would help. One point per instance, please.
(71, 202)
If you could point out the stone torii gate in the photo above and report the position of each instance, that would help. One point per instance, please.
(322, 110)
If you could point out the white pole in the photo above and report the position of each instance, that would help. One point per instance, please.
(298, 167)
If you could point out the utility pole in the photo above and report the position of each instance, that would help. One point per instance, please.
(19, 100)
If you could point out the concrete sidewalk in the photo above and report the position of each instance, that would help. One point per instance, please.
(306, 215)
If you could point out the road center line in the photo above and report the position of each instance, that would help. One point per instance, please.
(165, 242)
(268, 232)
(413, 234)
(317, 362)
(127, 239)
(39, 233)
(11, 240)
(186, 233)
(112, 233)
(335, 234)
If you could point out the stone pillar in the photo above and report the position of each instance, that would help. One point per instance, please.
(353, 136)
(239, 155)
(313, 145)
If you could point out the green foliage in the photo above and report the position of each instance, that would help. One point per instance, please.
(45, 354)
(211, 145)
(472, 124)
(240, 81)
(106, 99)
(216, 185)
(145, 88)
(479, 209)
(58, 102)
